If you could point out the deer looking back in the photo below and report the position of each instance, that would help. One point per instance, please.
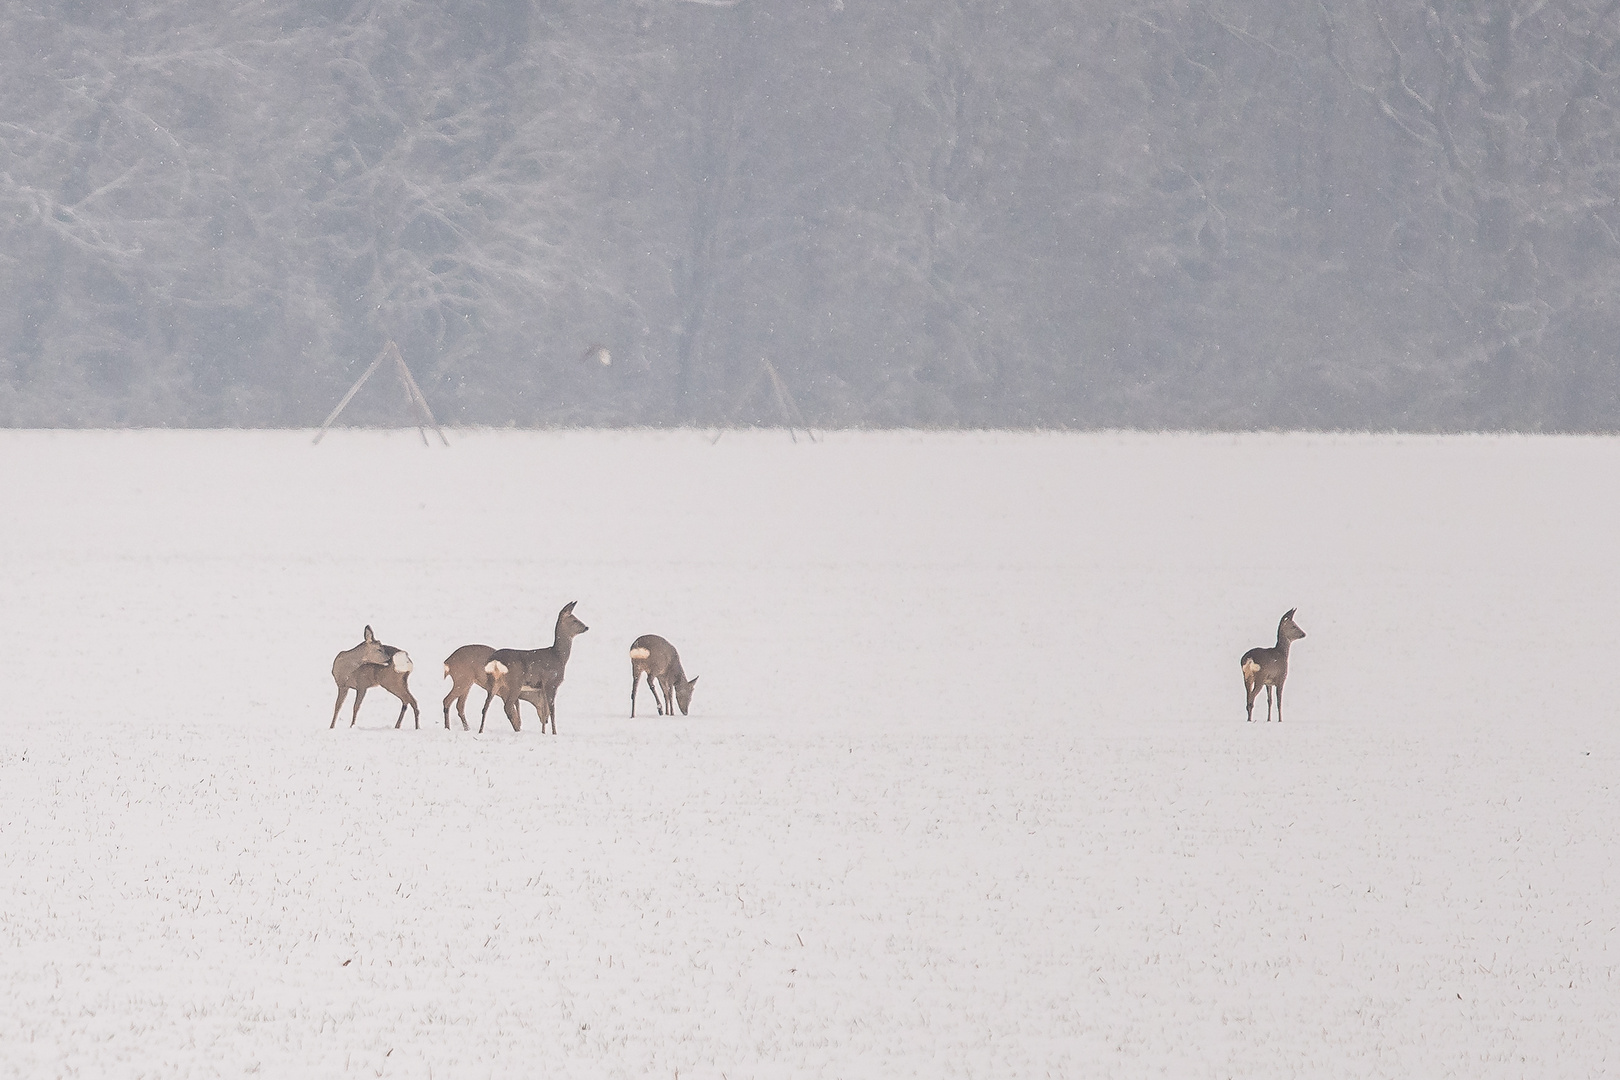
(656, 658)
(533, 675)
(1268, 667)
(368, 664)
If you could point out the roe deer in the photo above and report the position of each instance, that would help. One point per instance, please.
(465, 669)
(533, 675)
(656, 658)
(1269, 667)
(368, 664)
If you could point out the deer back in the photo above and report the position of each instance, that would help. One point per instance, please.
(511, 670)
(391, 674)
(466, 665)
(654, 655)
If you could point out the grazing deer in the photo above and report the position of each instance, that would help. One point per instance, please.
(533, 675)
(652, 656)
(1269, 667)
(465, 669)
(368, 664)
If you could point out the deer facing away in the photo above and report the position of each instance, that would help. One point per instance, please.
(533, 675)
(368, 664)
(652, 656)
(1268, 667)
(465, 669)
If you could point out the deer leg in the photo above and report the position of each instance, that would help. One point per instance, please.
(635, 683)
(489, 696)
(410, 699)
(1268, 703)
(448, 698)
(542, 707)
(652, 688)
(1279, 701)
(359, 696)
(1254, 692)
(513, 713)
(407, 700)
(343, 692)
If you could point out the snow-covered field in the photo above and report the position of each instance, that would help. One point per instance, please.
(966, 789)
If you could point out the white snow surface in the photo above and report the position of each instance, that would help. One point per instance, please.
(966, 789)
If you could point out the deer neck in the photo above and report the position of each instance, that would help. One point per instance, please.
(348, 663)
(1283, 643)
(562, 644)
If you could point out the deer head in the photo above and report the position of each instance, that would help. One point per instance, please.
(683, 693)
(569, 626)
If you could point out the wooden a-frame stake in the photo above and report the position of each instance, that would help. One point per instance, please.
(784, 401)
(413, 393)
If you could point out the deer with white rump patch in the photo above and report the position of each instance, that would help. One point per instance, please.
(652, 656)
(533, 675)
(1269, 667)
(465, 669)
(368, 664)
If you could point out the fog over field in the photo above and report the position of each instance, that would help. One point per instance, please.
(966, 787)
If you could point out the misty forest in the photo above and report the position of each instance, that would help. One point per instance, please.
(934, 213)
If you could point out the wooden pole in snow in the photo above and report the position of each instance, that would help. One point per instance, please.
(784, 401)
(353, 390)
(790, 408)
(413, 394)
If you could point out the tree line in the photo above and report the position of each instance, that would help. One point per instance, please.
(1144, 213)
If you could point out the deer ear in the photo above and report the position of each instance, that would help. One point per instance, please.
(369, 635)
(692, 681)
(1290, 614)
(568, 608)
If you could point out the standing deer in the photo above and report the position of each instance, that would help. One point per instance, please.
(368, 664)
(465, 669)
(1269, 667)
(652, 656)
(533, 675)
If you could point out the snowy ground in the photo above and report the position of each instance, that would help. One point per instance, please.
(966, 790)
